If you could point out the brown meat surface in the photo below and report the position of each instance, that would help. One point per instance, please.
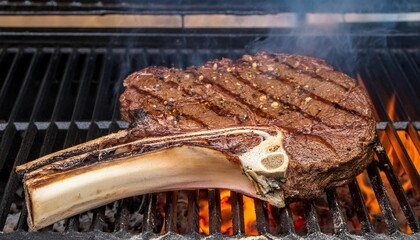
(328, 118)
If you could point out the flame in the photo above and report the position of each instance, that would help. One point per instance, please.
(411, 149)
(226, 215)
(363, 179)
(390, 108)
(369, 195)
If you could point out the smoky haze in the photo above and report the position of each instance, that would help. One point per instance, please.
(336, 36)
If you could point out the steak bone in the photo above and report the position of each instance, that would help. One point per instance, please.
(250, 160)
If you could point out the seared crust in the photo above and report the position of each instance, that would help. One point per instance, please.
(329, 120)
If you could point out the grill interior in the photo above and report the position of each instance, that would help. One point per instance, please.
(58, 90)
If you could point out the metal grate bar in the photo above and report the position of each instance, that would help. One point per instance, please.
(64, 84)
(414, 136)
(2, 53)
(192, 217)
(82, 91)
(387, 88)
(402, 88)
(340, 223)
(214, 211)
(311, 219)
(149, 223)
(9, 77)
(380, 113)
(262, 216)
(93, 131)
(179, 62)
(360, 207)
(72, 223)
(46, 81)
(410, 69)
(238, 224)
(98, 218)
(23, 222)
(52, 129)
(80, 99)
(115, 103)
(382, 198)
(170, 211)
(13, 181)
(49, 140)
(138, 59)
(25, 85)
(104, 80)
(6, 143)
(407, 65)
(163, 57)
(286, 222)
(403, 157)
(386, 166)
(123, 217)
(415, 75)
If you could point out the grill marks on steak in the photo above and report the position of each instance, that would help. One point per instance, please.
(330, 118)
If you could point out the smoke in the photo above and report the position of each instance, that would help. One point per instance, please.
(318, 42)
(336, 36)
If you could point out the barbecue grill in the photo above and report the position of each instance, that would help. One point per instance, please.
(60, 87)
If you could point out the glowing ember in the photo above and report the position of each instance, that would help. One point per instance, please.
(249, 216)
(204, 216)
(226, 214)
(299, 223)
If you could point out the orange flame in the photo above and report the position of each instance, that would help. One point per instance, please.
(411, 149)
(370, 199)
(363, 180)
(390, 108)
(204, 216)
(226, 215)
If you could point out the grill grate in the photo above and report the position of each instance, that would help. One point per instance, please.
(58, 96)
